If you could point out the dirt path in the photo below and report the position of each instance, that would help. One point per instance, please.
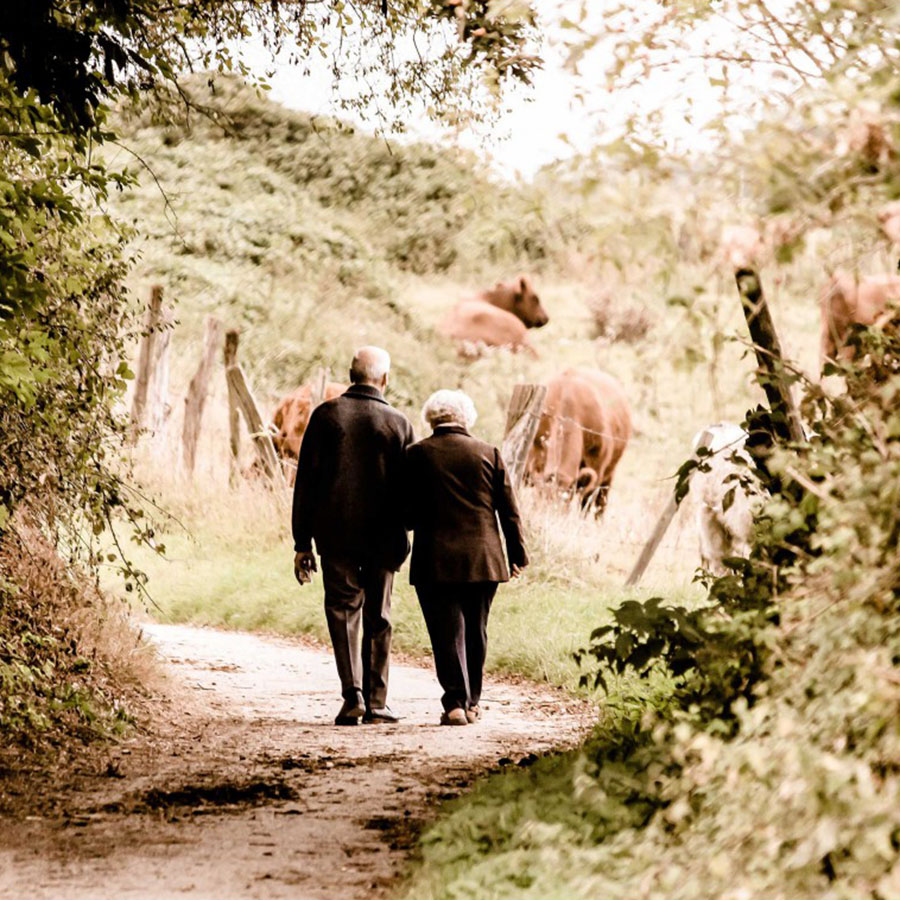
(248, 790)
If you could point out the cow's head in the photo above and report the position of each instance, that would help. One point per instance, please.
(527, 304)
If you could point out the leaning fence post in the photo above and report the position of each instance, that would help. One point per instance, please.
(262, 437)
(769, 359)
(146, 360)
(234, 422)
(664, 521)
(522, 419)
(197, 392)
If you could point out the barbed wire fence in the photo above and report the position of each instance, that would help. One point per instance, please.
(527, 411)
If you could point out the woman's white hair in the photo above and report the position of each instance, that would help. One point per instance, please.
(446, 407)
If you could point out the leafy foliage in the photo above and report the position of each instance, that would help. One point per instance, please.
(719, 652)
(770, 767)
(797, 128)
(77, 57)
(346, 197)
(69, 663)
(66, 321)
(63, 322)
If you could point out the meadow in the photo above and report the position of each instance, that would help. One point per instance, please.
(269, 225)
(313, 240)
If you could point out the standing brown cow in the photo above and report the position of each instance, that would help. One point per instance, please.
(846, 302)
(584, 429)
(291, 417)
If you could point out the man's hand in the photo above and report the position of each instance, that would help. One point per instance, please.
(517, 571)
(304, 566)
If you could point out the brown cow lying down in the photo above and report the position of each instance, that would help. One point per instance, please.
(475, 325)
(519, 298)
(499, 317)
(291, 417)
(584, 429)
(846, 302)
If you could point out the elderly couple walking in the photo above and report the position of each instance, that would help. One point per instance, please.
(361, 484)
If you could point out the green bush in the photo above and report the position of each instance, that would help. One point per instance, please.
(770, 775)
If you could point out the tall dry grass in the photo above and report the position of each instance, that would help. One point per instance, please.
(308, 283)
(72, 660)
(228, 557)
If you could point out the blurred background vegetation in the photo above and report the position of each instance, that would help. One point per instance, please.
(768, 764)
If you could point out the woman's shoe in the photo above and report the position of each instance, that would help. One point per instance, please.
(473, 714)
(455, 717)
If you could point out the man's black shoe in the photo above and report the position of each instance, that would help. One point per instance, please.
(381, 716)
(351, 712)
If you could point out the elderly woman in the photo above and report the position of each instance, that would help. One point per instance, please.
(457, 489)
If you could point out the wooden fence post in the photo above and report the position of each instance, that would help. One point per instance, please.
(262, 437)
(146, 359)
(522, 420)
(318, 387)
(158, 408)
(234, 423)
(198, 390)
(769, 359)
(663, 522)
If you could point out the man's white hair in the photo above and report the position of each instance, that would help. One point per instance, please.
(370, 365)
(446, 407)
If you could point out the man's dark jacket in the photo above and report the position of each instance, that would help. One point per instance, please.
(457, 487)
(348, 492)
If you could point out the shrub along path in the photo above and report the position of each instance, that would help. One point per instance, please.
(244, 788)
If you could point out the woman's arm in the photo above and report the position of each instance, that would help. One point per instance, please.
(508, 511)
(409, 490)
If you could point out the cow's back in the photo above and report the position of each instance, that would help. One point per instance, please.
(477, 322)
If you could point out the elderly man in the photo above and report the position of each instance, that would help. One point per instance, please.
(345, 498)
(457, 489)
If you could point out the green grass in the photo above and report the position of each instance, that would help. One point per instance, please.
(238, 574)
(313, 240)
(291, 229)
